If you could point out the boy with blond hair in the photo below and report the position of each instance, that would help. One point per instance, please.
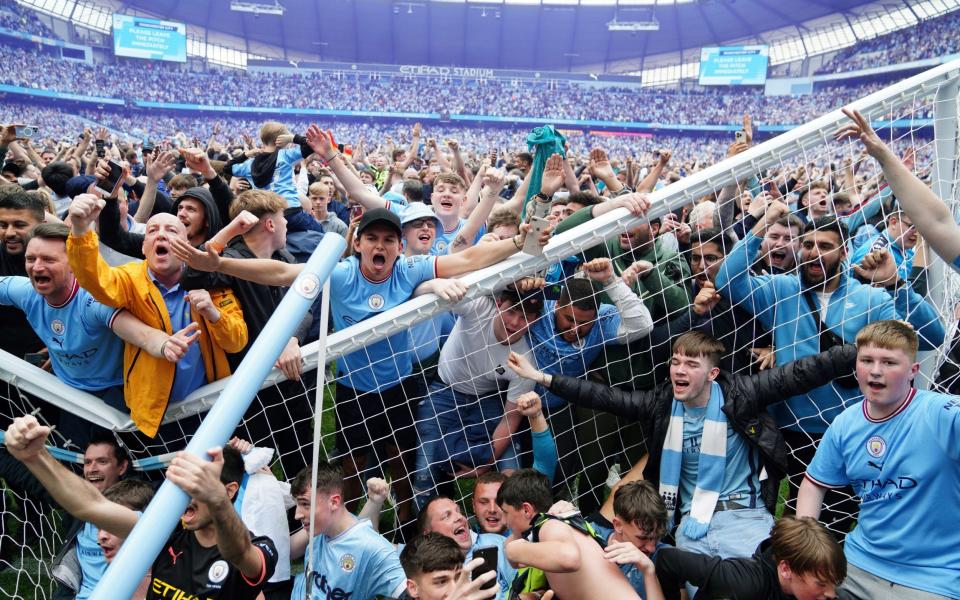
(898, 449)
(272, 170)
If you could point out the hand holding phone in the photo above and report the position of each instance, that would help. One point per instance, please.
(489, 556)
(110, 181)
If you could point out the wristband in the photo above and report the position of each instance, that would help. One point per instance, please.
(326, 161)
(162, 346)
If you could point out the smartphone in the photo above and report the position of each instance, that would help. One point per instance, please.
(109, 185)
(35, 358)
(27, 131)
(489, 556)
(356, 211)
(101, 145)
(740, 135)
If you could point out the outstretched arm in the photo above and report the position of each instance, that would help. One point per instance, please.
(25, 440)
(931, 216)
(264, 271)
(321, 143)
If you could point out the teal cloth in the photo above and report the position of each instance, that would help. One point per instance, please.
(547, 141)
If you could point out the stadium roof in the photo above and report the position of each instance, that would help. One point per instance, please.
(520, 34)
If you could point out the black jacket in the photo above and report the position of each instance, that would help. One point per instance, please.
(745, 402)
(258, 301)
(753, 578)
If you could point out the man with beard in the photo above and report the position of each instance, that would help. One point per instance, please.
(210, 554)
(19, 213)
(819, 307)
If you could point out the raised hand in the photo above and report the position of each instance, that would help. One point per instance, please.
(240, 445)
(320, 141)
(552, 178)
(878, 268)
(665, 156)
(160, 166)
(178, 344)
(284, 139)
(377, 490)
(493, 180)
(637, 270)
(529, 404)
(201, 302)
(198, 161)
(9, 134)
(83, 211)
(748, 129)
(638, 204)
(600, 165)
(25, 438)
(861, 129)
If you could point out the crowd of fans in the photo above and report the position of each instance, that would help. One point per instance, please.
(765, 332)
(17, 18)
(927, 39)
(174, 271)
(366, 92)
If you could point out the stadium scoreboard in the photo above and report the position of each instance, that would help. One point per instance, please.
(139, 37)
(734, 65)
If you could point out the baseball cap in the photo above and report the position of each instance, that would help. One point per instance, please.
(418, 210)
(380, 216)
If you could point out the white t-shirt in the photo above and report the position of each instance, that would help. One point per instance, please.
(473, 361)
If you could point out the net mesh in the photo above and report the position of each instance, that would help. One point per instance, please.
(417, 442)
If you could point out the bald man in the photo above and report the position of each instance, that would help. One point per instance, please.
(151, 291)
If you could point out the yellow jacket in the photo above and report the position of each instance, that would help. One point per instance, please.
(147, 380)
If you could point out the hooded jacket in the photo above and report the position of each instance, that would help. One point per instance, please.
(745, 402)
(216, 203)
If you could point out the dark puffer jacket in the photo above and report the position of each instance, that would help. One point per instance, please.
(746, 398)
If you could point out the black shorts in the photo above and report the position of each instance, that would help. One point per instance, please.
(374, 419)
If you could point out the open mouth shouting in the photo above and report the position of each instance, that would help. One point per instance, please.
(778, 257)
(680, 387)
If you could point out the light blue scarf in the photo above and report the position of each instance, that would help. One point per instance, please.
(710, 471)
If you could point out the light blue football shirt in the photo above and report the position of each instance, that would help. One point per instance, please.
(384, 364)
(742, 477)
(92, 562)
(441, 244)
(357, 564)
(282, 182)
(84, 351)
(906, 471)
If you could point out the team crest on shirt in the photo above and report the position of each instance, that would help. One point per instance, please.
(308, 286)
(876, 446)
(57, 327)
(218, 571)
(347, 563)
(375, 302)
(441, 246)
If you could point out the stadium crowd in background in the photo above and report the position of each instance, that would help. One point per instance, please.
(765, 332)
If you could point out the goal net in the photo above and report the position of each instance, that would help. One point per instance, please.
(625, 343)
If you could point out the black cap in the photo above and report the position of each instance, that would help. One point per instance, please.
(380, 216)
